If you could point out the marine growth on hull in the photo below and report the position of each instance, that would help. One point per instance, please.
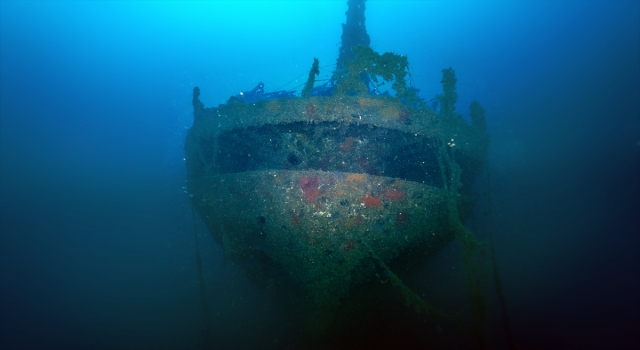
(321, 193)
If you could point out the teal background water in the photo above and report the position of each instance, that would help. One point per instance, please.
(97, 247)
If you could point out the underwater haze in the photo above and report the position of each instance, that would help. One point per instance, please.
(98, 244)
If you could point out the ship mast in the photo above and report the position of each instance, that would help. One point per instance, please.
(354, 33)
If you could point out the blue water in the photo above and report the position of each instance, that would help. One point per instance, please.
(97, 243)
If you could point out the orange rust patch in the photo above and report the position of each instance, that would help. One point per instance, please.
(369, 102)
(356, 177)
(393, 195)
(310, 188)
(371, 201)
(348, 144)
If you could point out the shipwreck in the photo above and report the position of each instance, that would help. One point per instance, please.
(323, 193)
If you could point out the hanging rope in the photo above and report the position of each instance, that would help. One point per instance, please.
(206, 319)
(496, 272)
